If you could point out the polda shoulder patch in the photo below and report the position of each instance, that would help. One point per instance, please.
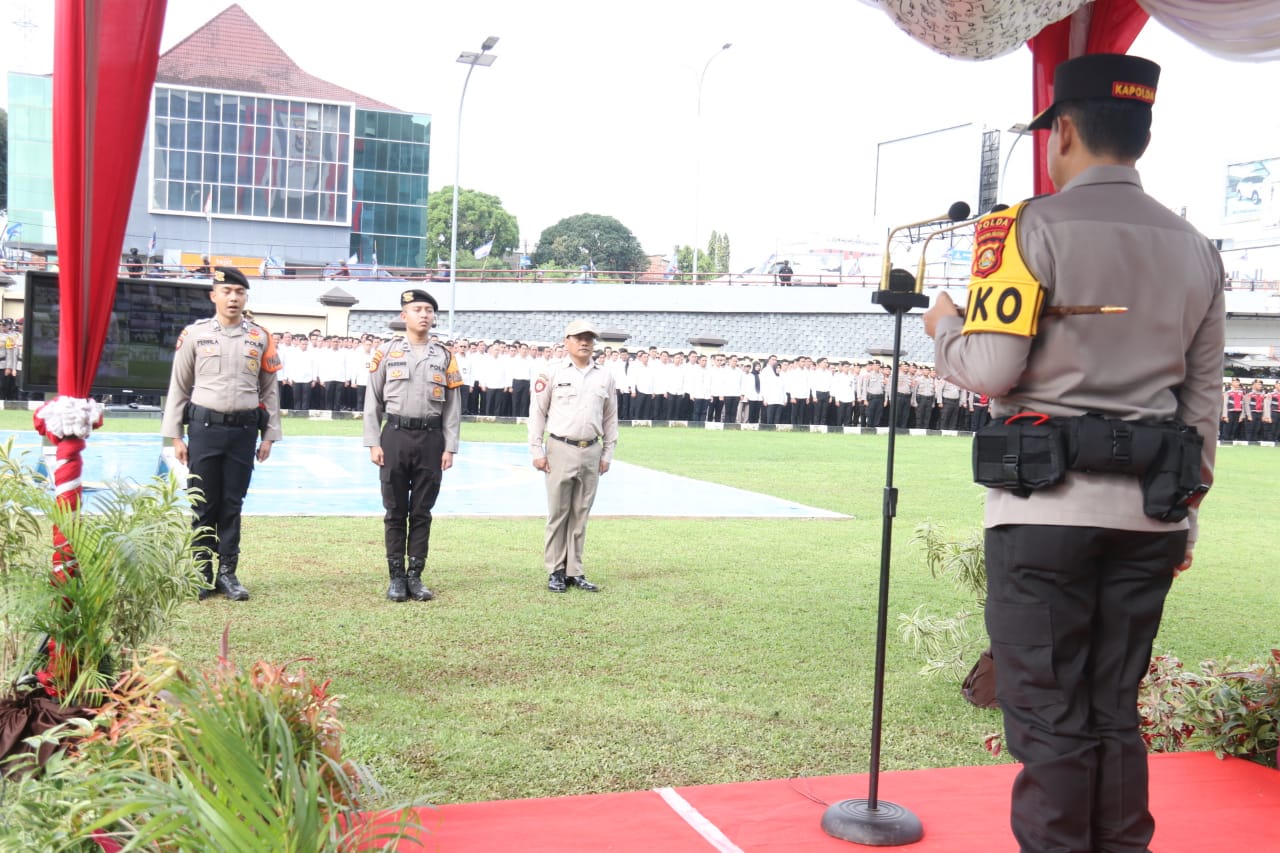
(1004, 296)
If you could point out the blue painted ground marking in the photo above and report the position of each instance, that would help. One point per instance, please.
(332, 475)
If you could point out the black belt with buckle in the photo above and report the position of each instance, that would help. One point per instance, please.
(576, 442)
(199, 414)
(401, 422)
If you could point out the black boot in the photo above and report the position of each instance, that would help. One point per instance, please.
(227, 583)
(413, 580)
(205, 561)
(555, 583)
(397, 591)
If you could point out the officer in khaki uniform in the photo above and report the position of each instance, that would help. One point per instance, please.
(10, 340)
(1078, 571)
(223, 387)
(575, 403)
(417, 385)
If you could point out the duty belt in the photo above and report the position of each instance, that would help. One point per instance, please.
(576, 442)
(248, 417)
(401, 422)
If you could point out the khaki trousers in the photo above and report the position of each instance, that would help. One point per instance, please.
(571, 489)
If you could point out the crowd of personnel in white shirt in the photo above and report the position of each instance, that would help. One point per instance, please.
(323, 372)
(329, 372)
(661, 385)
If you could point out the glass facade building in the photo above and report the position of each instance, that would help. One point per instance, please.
(31, 159)
(250, 156)
(390, 169)
(288, 167)
(283, 159)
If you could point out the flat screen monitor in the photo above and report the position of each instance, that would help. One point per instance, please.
(146, 319)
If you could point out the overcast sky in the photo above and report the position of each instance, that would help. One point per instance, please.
(591, 108)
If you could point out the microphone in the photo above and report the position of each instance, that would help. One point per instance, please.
(956, 212)
(958, 208)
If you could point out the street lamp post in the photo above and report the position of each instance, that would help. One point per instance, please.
(697, 157)
(471, 59)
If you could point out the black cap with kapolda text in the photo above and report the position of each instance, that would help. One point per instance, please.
(1101, 75)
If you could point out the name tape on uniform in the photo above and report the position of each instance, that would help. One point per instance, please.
(1011, 308)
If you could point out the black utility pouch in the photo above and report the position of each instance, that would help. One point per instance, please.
(1021, 456)
(1170, 485)
(263, 418)
(1112, 446)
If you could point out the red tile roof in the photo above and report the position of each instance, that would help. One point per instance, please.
(232, 52)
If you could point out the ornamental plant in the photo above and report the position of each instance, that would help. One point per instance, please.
(70, 626)
(949, 644)
(229, 759)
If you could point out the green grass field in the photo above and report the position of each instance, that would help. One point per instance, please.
(720, 650)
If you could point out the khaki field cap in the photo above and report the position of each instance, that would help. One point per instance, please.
(581, 327)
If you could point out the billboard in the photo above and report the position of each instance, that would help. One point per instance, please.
(146, 318)
(1252, 192)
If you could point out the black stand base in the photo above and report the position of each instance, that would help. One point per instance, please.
(899, 302)
(888, 825)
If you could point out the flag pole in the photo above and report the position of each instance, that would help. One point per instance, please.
(208, 218)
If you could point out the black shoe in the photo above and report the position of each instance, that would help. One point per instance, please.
(582, 583)
(207, 592)
(398, 590)
(556, 582)
(413, 580)
(229, 585)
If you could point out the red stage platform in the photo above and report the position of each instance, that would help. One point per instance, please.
(1200, 803)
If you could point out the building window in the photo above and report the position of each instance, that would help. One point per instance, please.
(250, 157)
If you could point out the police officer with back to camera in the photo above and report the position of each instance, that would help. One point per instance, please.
(223, 388)
(1081, 549)
(575, 403)
(417, 386)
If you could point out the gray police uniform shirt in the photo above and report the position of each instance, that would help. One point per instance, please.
(574, 403)
(1102, 241)
(220, 368)
(413, 382)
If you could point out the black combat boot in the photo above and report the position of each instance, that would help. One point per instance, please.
(413, 580)
(204, 561)
(397, 591)
(227, 583)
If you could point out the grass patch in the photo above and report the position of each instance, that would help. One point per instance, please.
(720, 650)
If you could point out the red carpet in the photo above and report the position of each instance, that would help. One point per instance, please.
(1201, 805)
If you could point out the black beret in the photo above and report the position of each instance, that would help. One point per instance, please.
(415, 295)
(229, 275)
(1101, 75)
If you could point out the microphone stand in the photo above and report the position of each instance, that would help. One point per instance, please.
(872, 821)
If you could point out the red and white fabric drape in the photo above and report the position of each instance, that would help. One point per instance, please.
(104, 65)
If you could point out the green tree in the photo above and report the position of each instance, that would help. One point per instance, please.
(712, 262)
(481, 218)
(591, 239)
(717, 257)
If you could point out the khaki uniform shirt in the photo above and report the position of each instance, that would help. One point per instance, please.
(413, 382)
(222, 369)
(9, 342)
(1102, 241)
(573, 403)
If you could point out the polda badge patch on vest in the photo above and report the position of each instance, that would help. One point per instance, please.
(1004, 297)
